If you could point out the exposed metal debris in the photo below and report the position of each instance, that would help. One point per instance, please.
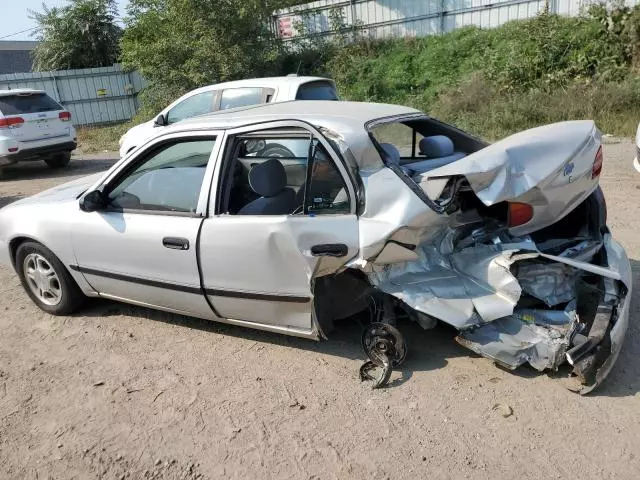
(386, 349)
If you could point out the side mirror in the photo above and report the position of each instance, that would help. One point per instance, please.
(93, 201)
(160, 121)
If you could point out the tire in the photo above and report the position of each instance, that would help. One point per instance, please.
(59, 160)
(276, 150)
(63, 297)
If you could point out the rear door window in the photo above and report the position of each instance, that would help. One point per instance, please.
(24, 104)
(241, 97)
(310, 181)
(318, 90)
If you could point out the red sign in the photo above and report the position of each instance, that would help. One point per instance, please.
(284, 27)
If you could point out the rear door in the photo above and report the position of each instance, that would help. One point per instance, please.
(43, 117)
(258, 269)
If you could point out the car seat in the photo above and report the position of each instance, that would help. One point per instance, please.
(439, 151)
(269, 180)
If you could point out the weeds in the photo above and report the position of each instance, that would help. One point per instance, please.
(100, 139)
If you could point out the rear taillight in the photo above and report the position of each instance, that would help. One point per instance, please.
(519, 214)
(11, 122)
(64, 116)
(597, 164)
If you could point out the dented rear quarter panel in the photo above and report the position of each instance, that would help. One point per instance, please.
(618, 261)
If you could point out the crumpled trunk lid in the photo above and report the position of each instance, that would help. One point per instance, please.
(549, 168)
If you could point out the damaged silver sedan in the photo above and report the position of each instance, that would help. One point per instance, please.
(292, 216)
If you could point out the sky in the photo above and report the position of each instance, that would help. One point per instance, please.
(14, 16)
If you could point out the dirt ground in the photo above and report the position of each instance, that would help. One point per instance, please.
(121, 392)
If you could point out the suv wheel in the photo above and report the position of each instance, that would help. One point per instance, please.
(46, 280)
(59, 160)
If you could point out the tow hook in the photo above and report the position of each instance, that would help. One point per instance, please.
(386, 349)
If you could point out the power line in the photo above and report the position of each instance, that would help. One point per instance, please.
(18, 33)
(117, 20)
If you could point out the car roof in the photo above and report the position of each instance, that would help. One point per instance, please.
(18, 91)
(346, 119)
(320, 113)
(269, 82)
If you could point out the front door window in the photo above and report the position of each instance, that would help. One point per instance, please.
(168, 180)
(193, 106)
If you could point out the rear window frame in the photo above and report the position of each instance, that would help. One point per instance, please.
(8, 109)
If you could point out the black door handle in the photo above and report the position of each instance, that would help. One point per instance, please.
(176, 243)
(330, 250)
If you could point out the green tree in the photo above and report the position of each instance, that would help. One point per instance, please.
(178, 45)
(82, 34)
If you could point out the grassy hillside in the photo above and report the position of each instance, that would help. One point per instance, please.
(494, 82)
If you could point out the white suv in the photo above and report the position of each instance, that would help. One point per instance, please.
(33, 126)
(223, 96)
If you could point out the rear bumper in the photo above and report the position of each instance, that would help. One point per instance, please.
(618, 262)
(37, 153)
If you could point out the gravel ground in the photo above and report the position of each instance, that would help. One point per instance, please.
(121, 392)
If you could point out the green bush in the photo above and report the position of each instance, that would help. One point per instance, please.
(477, 106)
(498, 81)
(543, 52)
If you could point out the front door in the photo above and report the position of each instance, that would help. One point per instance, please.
(142, 247)
(285, 213)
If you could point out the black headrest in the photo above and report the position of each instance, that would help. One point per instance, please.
(268, 178)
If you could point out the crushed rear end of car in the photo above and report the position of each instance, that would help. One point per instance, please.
(512, 250)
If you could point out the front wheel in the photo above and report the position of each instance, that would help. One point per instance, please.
(59, 160)
(46, 280)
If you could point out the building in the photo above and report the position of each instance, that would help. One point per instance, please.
(15, 56)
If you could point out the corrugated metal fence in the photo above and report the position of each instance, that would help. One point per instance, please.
(94, 96)
(394, 18)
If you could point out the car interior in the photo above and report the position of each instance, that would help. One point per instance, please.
(419, 146)
(168, 180)
(267, 176)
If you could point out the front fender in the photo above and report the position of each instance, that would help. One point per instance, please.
(48, 224)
